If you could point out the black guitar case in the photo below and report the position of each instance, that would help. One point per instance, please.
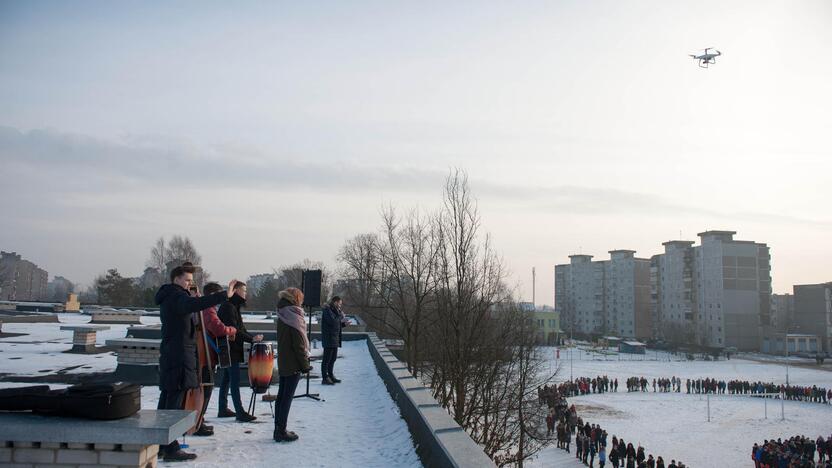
(89, 401)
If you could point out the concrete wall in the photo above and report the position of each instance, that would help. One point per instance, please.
(440, 441)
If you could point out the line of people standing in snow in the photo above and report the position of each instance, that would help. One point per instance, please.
(640, 384)
(813, 394)
(591, 441)
(795, 452)
(580, 386)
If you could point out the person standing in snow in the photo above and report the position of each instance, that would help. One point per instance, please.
(613, 456)
(178, 352)
(292, 357)
(332, 323)
(230, 315)
(631, 456)
(215, 329)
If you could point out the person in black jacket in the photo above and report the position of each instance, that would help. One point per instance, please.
(177, 353)
(230, 315)
(332, 323)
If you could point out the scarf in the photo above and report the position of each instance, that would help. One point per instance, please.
(293, 317)
(341, 317)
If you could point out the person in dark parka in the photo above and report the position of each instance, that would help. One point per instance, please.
(177, 353)
(292, 357)
(230, 315)
(332, 324)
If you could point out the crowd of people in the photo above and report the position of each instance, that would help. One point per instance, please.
(812, 394)
(591, 441)
(603, 384)
(189, 315)
(641, 384)
(795, 452)
(579, 386)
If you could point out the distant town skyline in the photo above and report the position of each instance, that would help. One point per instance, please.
(270, 133)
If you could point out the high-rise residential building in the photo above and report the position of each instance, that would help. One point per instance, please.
(671, 283)
(782, 312)
(716, 294)
(21, 280)
(813, 312)
(255, 282)
(776, 334)
(605, 297)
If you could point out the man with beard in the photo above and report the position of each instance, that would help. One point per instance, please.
(230, 315)
(178, 353)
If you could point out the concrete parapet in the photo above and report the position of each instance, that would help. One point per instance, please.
(440, 441)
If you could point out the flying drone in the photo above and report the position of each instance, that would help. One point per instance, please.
(707, 58)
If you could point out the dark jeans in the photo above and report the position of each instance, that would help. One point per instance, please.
(285, 395)
(171, 400)
(330, 355)
(231, 376)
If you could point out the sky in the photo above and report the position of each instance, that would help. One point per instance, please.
(271, 132)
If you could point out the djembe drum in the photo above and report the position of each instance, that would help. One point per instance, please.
(260, 367)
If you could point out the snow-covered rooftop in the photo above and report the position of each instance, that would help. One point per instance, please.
(357, 424)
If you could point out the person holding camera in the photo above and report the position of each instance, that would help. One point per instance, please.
(292, 357)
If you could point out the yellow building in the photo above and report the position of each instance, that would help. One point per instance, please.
(548, 323)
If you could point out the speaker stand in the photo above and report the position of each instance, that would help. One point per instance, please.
(314, 396)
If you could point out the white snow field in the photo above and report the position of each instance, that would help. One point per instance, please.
(358, 424)
(41, 350)
(675, 425)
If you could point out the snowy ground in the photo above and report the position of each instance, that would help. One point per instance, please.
(587, 364)
(358, 424)
(40, 351)
(676, 425)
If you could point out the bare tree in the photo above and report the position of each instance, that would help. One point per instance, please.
(180, 249)
(436, 283)
(158, 256)
(359, 264)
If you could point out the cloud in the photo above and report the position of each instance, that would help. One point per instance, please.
(61, 163)
(164, 162)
